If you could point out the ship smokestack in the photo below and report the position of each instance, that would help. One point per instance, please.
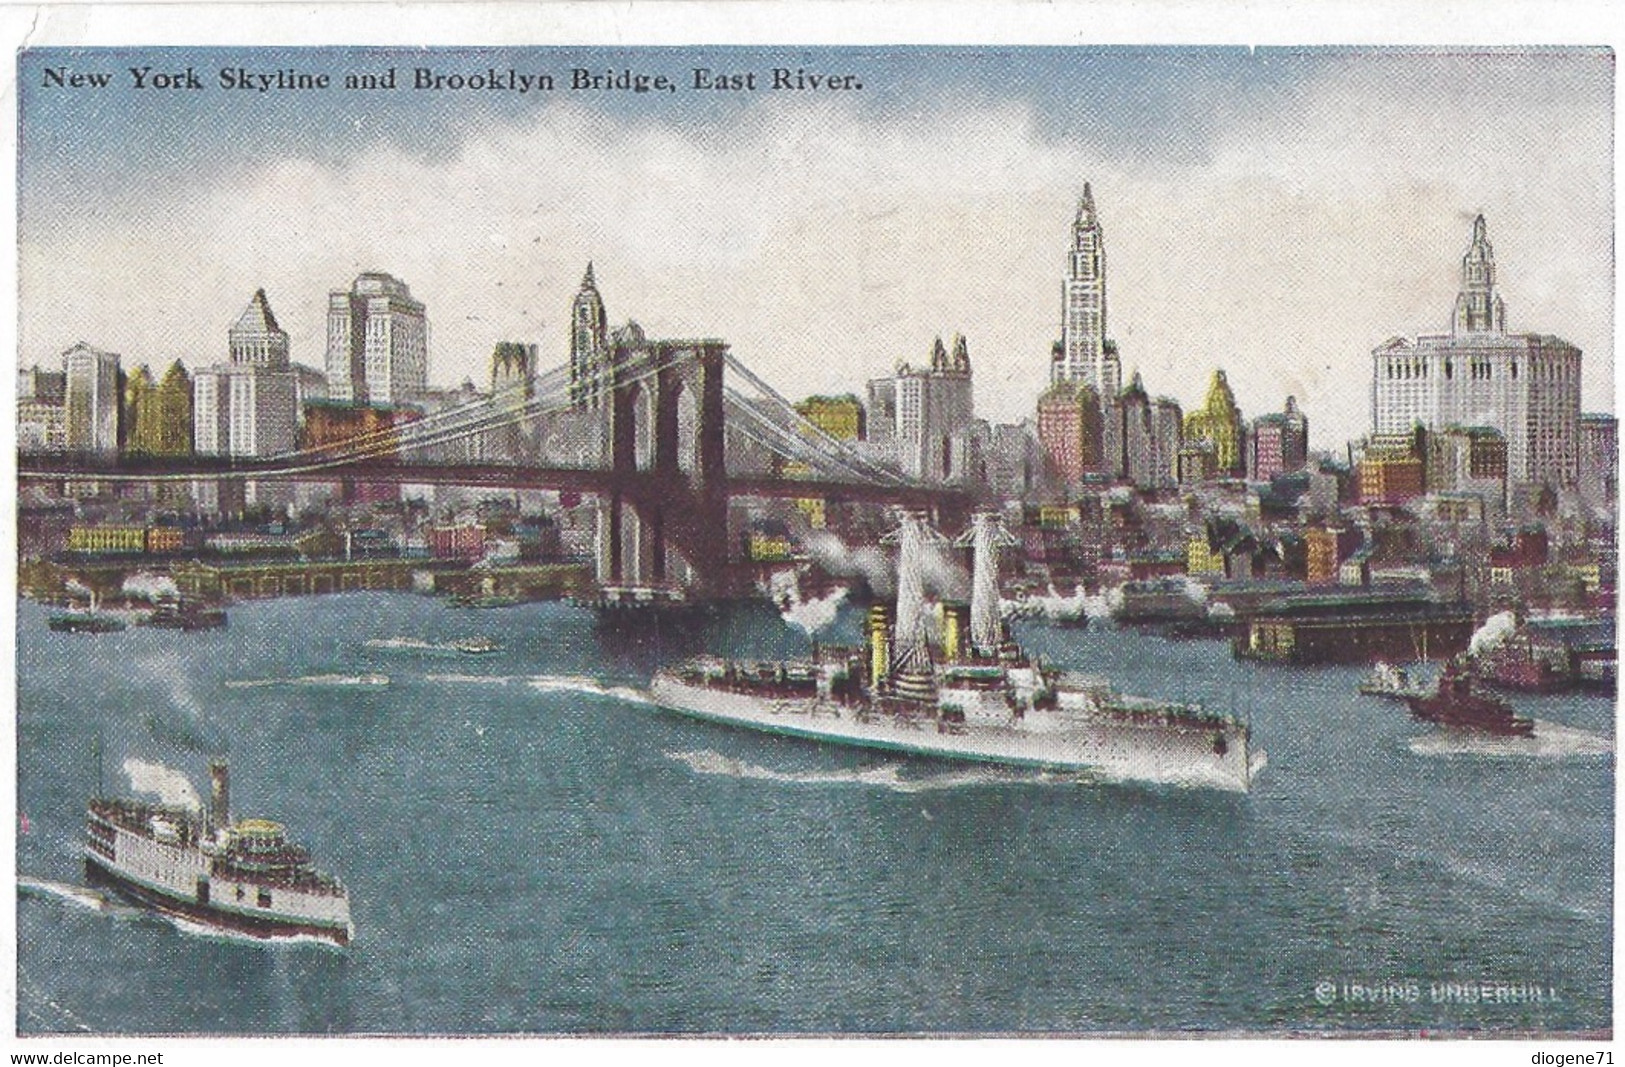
(955, 626)
(879, 644)
(219, 794)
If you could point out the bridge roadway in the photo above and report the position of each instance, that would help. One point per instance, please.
(476, 475)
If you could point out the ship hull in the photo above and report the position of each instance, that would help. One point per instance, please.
(1212, 756)
(98, 872)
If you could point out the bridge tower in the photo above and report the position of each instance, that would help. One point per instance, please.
(665, 518)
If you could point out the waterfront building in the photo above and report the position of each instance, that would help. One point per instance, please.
(108, 539)
(1084, 354)
(589, 343)
(92, 400)
(1527, 386)
(377, 342)
(1278, 443)
(1070, 432)
(41, 415)
(1218, 422)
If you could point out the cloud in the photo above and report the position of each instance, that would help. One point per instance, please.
(826, 244)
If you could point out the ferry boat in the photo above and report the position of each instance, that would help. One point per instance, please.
(972, 694)
(244, 877)
(1456, 704)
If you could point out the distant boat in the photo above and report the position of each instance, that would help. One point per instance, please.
(486, 601)
(476, 646)
(173, 613)
(1392, 682)
(85, 622)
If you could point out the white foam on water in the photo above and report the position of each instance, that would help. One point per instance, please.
(885, 776)
(351, 680)
(571, 683)
(469, 679)
(216, 933)
(170, 786)
(1551, 741)
(78, 895)
(414, 644)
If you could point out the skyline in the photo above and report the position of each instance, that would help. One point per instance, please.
(1244, 228)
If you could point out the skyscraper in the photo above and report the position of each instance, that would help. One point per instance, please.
(92, 400)
(589, 343)
(1084, 353)
(1278, 443)
(1218, 422)
(250, 405)
(377, 342)
(255, 339)
(931, 425)
(1525, 385)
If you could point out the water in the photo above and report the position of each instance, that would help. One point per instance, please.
(527, 849)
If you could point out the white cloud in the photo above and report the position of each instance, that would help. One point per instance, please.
(825, 247)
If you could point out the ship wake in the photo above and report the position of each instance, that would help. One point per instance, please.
(77, 895)
(359, 681)
(1550, 741)
(887, 776)
(571, 683)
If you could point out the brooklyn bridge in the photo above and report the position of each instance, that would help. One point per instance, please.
(663, 435)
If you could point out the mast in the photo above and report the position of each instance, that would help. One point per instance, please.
(985, 537)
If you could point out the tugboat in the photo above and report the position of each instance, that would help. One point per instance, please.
(245, 877)
(89, 620)
(971, 693)
(173, 613)
(1455, 704)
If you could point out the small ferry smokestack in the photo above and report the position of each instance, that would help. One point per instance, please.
(219, 794)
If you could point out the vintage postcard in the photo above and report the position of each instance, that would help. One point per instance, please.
(844, 539)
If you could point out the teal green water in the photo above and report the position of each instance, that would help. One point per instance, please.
(528, 852)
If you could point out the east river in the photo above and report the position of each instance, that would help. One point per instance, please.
(527, 850)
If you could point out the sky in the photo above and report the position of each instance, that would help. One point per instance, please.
(1274, 212)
